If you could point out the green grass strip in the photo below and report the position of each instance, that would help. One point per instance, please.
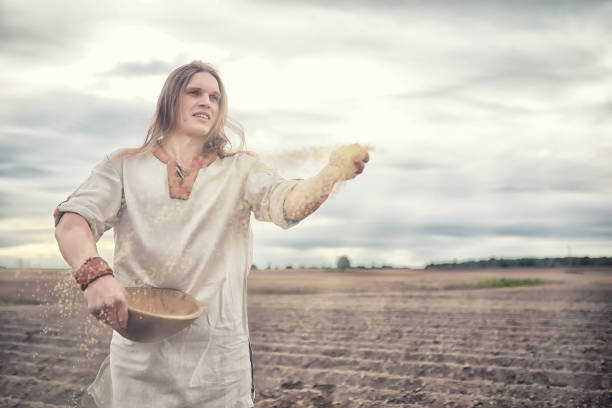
(508, 283)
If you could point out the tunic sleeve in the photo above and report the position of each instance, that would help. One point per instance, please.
(265, 191)
(98, 199)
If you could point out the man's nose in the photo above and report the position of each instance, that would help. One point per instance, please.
(205, 100)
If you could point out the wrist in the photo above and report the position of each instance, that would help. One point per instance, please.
(331, 173)
(91, 270)
(98, 280)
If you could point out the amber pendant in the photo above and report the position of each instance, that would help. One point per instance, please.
(180, 181)
(180, 184)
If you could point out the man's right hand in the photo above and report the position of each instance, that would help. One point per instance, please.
(107, 300)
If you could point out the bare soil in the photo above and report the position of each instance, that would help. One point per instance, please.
(385, 338)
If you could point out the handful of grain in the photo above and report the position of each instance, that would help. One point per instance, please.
(343, 159)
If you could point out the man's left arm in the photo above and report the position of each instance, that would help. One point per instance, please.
(344, 163)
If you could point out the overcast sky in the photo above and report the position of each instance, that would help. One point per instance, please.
(490, 121)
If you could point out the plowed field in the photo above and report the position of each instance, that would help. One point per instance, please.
(386, 338)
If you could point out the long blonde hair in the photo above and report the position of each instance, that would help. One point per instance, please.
(165, 117)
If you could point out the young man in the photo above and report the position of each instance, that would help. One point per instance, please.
(180, 208)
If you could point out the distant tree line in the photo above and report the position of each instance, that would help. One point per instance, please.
(343, 263)
(524, 263)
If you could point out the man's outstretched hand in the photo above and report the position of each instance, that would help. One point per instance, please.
(349, 161)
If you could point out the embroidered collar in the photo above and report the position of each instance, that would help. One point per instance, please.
(180, 180)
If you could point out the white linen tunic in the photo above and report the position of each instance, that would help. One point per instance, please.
(201, 246)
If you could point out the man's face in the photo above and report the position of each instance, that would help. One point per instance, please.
(199, 105)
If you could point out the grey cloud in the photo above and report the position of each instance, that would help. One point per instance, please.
(599, 213)
(535, 187)
(32, 146)
(389, 235)
(284, 115)
(524, 230)
(62, 187)
(9, 151)
(31, 42)
(20, 237)
(28, 202)
(43, 31)
(322, 242)
(280, 125)
(506, 196)
(415, 165)
(470, 91)
(496, 106)
(139, 68)
(521, 12)
(524, 175)
(394, 231)
(23, 171)
(506, 174)
(5, 203)
(248, 31)
(444, 183)
(66, 124)
(513, 74)
(600, 113)
(473, 206)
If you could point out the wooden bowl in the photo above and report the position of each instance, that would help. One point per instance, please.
(155, 314)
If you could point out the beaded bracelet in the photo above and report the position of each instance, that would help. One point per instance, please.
(92, 269)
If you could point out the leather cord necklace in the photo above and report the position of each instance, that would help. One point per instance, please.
(180, 180)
